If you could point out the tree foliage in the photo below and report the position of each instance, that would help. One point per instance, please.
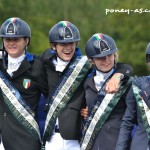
(130, 31)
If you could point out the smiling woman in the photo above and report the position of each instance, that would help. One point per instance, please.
(66, 40)
(103, 121)
(66, 69)
(22, 80)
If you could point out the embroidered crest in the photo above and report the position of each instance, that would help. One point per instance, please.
(100, 44)
(26, 83)
(65, 31)
(11, 28)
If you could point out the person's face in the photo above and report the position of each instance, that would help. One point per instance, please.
(65, 50)
(15, 46)
(104, 64)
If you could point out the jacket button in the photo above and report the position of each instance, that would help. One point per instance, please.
(5, 114)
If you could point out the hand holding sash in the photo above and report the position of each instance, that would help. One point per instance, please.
(84, 112)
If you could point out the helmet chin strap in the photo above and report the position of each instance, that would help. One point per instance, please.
(25, 48)
(4, 60)
(147, 58)
(4, 53)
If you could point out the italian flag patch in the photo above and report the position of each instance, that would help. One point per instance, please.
(26, 83)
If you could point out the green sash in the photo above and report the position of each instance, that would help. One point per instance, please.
(65, 90)
(143, 109)
(18, 107)
(99, 115)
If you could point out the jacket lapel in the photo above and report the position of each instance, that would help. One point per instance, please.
(91, 83)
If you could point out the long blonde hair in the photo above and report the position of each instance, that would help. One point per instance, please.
(116, 54)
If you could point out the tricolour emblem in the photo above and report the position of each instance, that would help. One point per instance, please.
(26, 83)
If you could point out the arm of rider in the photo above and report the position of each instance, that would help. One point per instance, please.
(84, 112)
(112, 85)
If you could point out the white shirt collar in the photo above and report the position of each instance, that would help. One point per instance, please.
(16, 60)
(60, 65)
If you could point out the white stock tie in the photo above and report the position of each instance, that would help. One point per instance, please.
(60, 65)
(100, 78)
(14, 63)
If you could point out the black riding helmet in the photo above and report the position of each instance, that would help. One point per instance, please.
(64, 32)
(14, 28)
(100, 45)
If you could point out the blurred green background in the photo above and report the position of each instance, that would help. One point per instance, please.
(131, 30)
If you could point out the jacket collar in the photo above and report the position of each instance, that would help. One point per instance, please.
(90, 80)
(25, 65)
